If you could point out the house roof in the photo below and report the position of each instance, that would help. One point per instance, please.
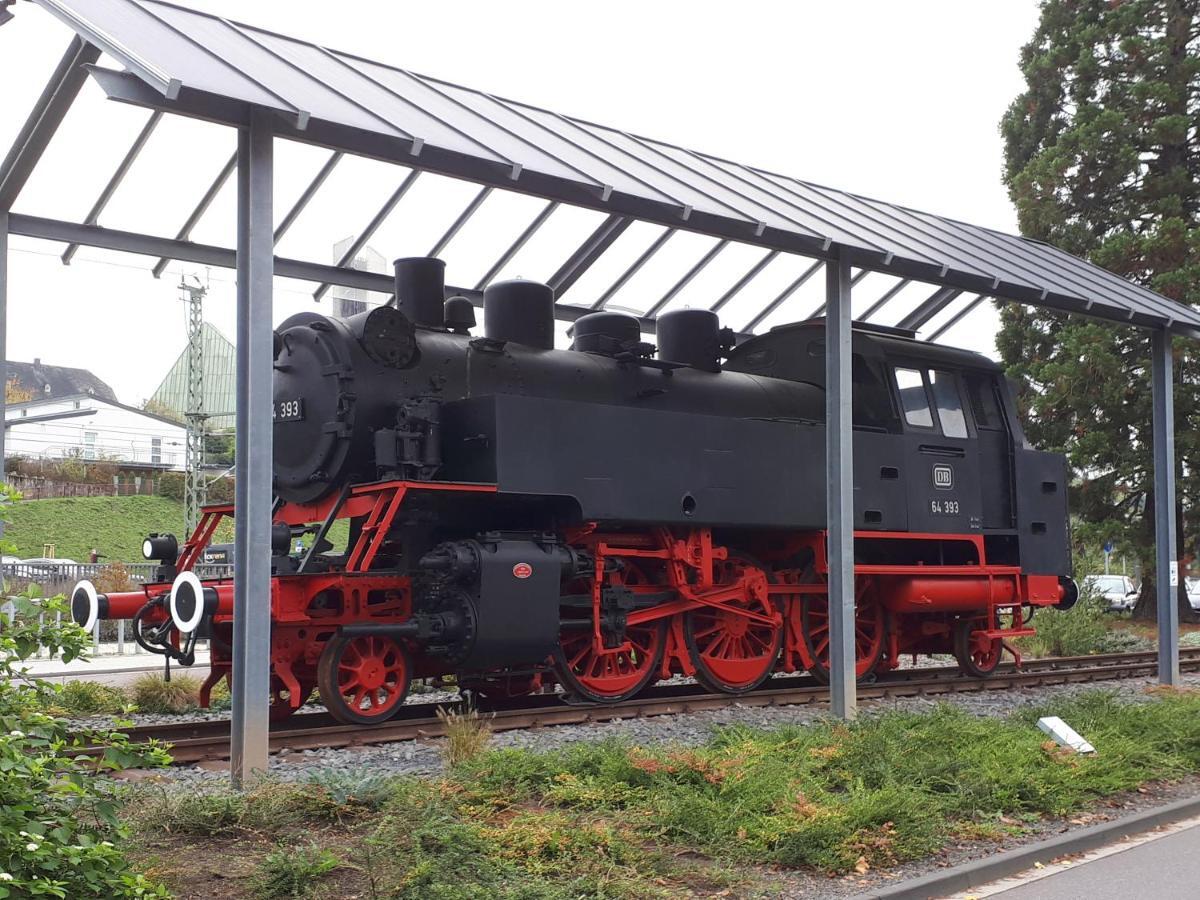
(55, 382)
(72, 413)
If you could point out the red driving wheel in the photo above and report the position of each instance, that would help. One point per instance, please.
(870, 630)
(732, 653)
(364, 678)
(613, 674)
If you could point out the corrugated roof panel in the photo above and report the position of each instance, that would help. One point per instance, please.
(472, 135)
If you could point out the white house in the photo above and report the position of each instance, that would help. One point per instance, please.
(91, 427)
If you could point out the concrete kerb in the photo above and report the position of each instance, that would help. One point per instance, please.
(979, 872)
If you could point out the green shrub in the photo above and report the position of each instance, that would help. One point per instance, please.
(1080, 631)
(292, 871)
(59, 834)
(152, 694)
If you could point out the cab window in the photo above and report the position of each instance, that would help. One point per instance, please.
(944, 387)
(981, 394)
(913, 398)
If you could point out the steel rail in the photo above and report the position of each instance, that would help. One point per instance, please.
(209, 739)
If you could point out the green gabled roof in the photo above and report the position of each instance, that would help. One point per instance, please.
(220, 395)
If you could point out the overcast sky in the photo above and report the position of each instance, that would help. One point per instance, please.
(899, 101)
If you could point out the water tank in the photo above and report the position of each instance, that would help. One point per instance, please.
(421, 289)
(608, 333)
(691, 337)
(519, 311)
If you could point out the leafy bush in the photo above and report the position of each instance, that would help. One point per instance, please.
(1084, 629)
(152, 694)
(292, 871)
(113, 579)
(59, 833)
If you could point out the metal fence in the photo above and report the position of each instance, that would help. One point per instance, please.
(53, 578)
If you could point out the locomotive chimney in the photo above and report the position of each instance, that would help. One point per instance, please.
(421, 289)
(519, 311)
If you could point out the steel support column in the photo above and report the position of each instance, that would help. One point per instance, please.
(839, 491)
(3, 338)
(1166, 565)
(252, 522)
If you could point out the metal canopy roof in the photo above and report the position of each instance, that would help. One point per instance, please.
(195, 64)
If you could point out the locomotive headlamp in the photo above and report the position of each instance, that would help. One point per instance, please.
(161, 547)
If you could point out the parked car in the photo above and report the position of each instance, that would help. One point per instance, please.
(1193, 592)
(1118, 590)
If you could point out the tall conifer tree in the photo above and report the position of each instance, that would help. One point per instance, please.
(1102, 158)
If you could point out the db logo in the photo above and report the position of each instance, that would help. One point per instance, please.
(522, 570)
(943, 478)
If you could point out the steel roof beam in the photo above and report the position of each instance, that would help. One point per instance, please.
(457, 225)
(589, 251)
(201, 208)
(691, 273)
(372, 226)
(633, 269)
(784, 294)
(515, 247)
(226, 258)
(118, 176)
(929, 308)
(744, 280)
(47, 114)
(309, 192)
(957, 317)
(887, 297)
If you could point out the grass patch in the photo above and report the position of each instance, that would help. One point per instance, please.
(152, 694)
(622, 821)
(293, 871)
(838, 798)
(467, 735)
(87, 698)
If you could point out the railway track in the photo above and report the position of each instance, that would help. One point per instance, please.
(195, 741)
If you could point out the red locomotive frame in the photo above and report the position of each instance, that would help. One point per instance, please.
(729, 616)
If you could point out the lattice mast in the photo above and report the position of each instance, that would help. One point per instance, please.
(195, 417)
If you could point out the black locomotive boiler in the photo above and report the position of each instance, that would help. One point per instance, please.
(608, 515)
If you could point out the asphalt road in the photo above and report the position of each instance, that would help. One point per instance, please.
(1166, 868)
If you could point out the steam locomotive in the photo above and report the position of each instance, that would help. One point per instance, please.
(602, 517)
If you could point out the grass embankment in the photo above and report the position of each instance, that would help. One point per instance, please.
(617, 820)
(115, 526)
